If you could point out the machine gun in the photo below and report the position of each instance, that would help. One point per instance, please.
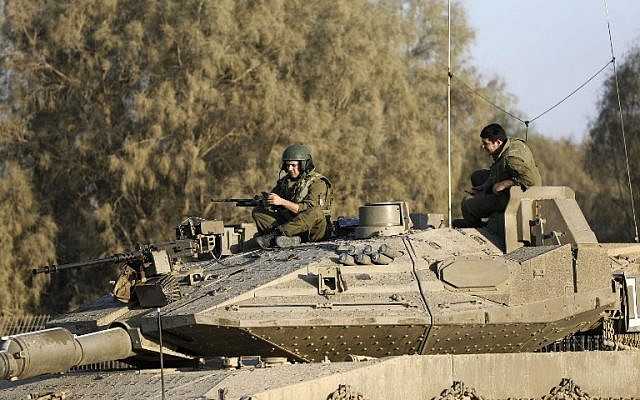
(147, 273)
(160, 254)
(259, 200)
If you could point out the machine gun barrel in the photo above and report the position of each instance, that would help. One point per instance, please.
(122, 257)
(57, 350)
(180, 248)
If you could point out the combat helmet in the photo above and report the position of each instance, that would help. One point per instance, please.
(298, 152)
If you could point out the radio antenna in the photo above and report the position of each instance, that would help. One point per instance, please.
(449, 107)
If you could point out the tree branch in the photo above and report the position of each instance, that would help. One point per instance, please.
(218, 142)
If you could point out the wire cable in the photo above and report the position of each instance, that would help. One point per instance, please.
(575, 90)
(414, 262)
(624, 137)
(527, 122)
(476, 92)
(161, 355)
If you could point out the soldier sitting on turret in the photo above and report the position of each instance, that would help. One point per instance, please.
(299, 205)
(513, 164)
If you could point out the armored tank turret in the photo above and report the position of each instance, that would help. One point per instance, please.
(389, 283)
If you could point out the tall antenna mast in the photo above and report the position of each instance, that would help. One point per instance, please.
(624, 136)
(449, 106)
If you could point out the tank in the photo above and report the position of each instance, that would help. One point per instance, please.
(388, 283)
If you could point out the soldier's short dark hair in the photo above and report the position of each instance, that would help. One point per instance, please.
(493, 132)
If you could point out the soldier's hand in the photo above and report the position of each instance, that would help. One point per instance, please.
(502, 185)
(274, 199)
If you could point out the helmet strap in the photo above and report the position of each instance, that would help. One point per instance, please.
(308, 165)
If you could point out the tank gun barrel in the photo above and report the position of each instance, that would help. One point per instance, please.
(57, 350)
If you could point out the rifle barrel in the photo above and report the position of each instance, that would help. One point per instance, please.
(231, 200)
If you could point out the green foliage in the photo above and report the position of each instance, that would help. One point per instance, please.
(26, 239)
(605, 154)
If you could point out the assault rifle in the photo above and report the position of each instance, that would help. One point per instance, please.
(259, 200)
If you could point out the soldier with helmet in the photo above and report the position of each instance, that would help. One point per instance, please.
(299, 206)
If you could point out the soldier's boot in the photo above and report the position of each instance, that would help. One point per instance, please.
(266, 241)
(288, 241)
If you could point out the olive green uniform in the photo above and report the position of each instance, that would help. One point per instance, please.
(515, 161)
(312, 193)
